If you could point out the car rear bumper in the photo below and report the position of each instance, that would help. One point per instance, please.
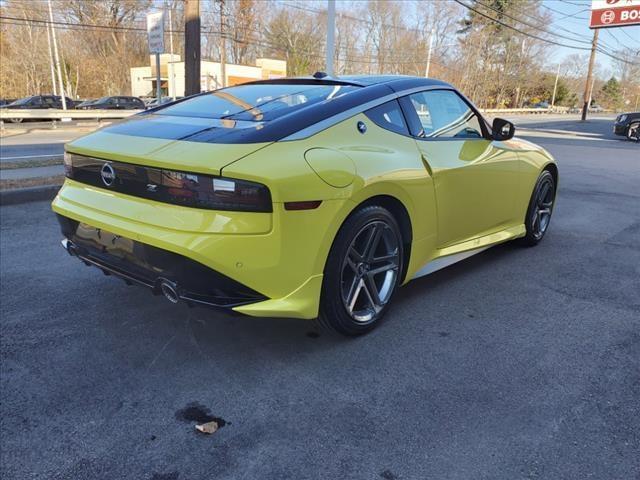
(279, 256)
(177, 277)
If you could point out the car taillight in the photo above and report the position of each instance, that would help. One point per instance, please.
(188, 189)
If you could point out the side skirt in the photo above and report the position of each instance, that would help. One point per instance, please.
(442, 262)
(456, 253)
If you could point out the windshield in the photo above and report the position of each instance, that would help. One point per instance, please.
(257, 102)
(22, 101)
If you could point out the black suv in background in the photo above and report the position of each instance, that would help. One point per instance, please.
(37, 102)
(628, 125)
(115, 103)
(40, 101)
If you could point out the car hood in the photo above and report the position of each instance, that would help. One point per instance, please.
(179, 143)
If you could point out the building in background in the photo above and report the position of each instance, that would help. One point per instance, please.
(143, 79)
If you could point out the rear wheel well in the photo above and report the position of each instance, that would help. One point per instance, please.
(399, 211)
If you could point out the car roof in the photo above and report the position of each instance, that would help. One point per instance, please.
(369, 91)
(396, 82)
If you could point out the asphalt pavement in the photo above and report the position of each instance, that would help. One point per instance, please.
(519, 363)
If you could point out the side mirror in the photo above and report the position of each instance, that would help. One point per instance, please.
(502, 129)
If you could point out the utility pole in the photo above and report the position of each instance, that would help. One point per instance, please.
(331, 36)
(57, 59)
(223, 46)
(192, 47)
(172, 67)
(591, 92)
(588, 88)
(426, 71)
(555, 88)
(53, 74)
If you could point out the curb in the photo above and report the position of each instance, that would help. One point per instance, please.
(28, 194)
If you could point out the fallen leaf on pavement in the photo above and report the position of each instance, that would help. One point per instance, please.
(209, 427)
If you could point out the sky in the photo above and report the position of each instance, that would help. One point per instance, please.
(573, 15)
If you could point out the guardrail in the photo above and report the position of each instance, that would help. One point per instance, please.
(526, 110)
(56, 114)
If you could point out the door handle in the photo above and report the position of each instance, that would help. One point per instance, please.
(425, 161)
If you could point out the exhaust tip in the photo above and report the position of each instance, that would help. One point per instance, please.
(68, 246)
(169, 290)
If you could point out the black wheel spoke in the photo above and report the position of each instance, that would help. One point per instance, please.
(393, 264)
(371, 292)
(372, 243)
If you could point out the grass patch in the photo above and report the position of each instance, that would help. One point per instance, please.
(36, 162)
(6, 184)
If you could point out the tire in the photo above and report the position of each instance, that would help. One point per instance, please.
(633, 132)
(362, 273)
(540, 209)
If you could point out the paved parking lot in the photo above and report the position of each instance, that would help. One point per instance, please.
(516, 364)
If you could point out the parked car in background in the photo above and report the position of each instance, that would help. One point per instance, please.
(85, 103)
(153, 102)
(37, 102)
(6, 101)
(596, 108)
(116, 103)
(628, 125)
(541, 105)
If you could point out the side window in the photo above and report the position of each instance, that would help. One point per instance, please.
(442, 114)
(389, 116)
(36, 101)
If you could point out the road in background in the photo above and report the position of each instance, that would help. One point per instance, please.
(517, 363)
(38, 144)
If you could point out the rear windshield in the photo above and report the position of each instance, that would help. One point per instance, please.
(22, 101)
(255, 102)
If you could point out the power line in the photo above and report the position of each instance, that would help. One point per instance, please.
(357, 58)
(553, 42)
(544, 30)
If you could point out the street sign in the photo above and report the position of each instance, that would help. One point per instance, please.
(155, 32)
(614, 13)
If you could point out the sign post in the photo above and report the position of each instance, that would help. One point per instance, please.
(155, 32)
(607, 14)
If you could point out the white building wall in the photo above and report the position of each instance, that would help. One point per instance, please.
(139, 86)
(210, 76)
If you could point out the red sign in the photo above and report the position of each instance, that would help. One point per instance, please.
(614, 13)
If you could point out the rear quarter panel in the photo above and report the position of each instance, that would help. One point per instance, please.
(381, 162)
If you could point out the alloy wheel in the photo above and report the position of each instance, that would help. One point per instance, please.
(370, 270)
(541, 213)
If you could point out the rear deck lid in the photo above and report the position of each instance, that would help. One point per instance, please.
(180, 143)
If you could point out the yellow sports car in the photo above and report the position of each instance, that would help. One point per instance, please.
(302, 197)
